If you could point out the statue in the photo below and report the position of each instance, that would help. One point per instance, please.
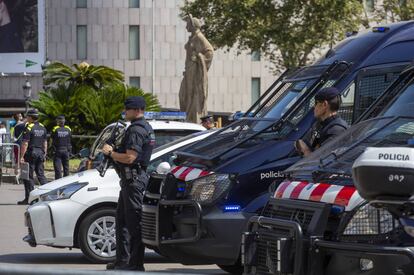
(194, 86)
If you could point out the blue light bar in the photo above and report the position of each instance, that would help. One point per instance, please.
(232, 208)
(380, 29)
(166, 115)
(336, 209)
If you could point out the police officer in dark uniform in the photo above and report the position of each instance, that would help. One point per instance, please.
(33, 151)
(208, 122)
(131, 161)
(328, 124)
(62, 145)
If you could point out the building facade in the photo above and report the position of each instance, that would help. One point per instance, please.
(118, 33)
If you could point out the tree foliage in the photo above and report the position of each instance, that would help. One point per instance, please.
(90, 98)
(395, 10)
(287, 31)
(59, 74)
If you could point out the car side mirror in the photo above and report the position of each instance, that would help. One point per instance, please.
(84, 153)
(163, 168)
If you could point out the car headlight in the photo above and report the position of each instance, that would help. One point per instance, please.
(208, 189)
(369, 220)
(64, 192)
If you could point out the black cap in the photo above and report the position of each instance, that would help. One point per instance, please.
(327, 94)
(61, 117)
(206, 118)
(135, 102)
(33, 113)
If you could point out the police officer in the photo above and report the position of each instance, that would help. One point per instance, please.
(33, 151)
(62, 145)
(131, 161)
(328, 124)
(208, 122)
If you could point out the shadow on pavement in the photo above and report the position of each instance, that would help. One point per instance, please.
(65, 258)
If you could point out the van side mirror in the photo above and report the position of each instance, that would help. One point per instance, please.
(84, 153)
(163, 168)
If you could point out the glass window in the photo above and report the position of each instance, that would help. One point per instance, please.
(135, 81)
(81, 42)
(81, 3)
(404, 105)
(369, 5)
(133, 42)
(255, 89)
(134, 3)
(255, 55)
(166, 136)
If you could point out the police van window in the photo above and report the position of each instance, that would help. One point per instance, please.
(166, 136)
(403, 105)
(288, 98)
(347, 106)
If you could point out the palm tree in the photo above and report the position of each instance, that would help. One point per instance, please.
(100, 109)
(59, 74)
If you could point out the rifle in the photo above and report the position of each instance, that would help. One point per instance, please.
(115, 134)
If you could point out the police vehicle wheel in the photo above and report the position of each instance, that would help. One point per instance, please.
(236, 268)
(97, 238)
(232, 269)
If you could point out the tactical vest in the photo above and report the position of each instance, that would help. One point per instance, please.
(37, 134)
(61, 137)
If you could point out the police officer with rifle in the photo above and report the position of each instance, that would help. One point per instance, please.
(131, 160)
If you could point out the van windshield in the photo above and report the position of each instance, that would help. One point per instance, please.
(338, 155)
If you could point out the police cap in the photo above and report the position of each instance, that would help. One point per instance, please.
(206, 118)
(327, 94)
(61, 117)
(33, 113)
(135, 102)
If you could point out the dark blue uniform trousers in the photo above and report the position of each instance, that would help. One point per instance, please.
(129, 247)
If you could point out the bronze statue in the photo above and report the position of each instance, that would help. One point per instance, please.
(194, 86)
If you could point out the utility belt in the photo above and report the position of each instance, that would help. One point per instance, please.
(127, 173)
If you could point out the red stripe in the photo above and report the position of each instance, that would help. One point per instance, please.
(204, 173)
(282, 187)
(344, 195)
(296, 191)
(175, 169)
(185, 173)
(318, 192)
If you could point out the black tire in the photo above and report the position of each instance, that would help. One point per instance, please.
(236, 268)
(106, 214)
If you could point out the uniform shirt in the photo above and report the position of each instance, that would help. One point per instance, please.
(140, 138)
(62, 138)
(324, 131)
(36, 135)
(19, 132)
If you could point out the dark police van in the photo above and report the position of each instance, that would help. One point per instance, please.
(197, 213)
(316, 221)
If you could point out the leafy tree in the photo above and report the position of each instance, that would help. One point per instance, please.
(59, 74)
(395, 10)
(287, 32)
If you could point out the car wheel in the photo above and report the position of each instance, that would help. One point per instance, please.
(97, 238)
(236, 268)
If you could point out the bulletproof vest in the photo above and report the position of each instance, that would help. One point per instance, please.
(61, 137)
(37, 134)
(148, 143)
(320, 131)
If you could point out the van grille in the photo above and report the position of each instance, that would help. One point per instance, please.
(148, 222)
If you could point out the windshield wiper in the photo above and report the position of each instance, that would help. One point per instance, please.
(319, 174)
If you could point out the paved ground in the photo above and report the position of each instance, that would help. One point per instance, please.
(15, 252)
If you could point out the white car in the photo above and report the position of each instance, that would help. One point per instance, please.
(78, 211)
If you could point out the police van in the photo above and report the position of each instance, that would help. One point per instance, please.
(197, 214)
(317, 222)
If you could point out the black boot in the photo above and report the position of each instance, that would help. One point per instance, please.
(23, 202)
